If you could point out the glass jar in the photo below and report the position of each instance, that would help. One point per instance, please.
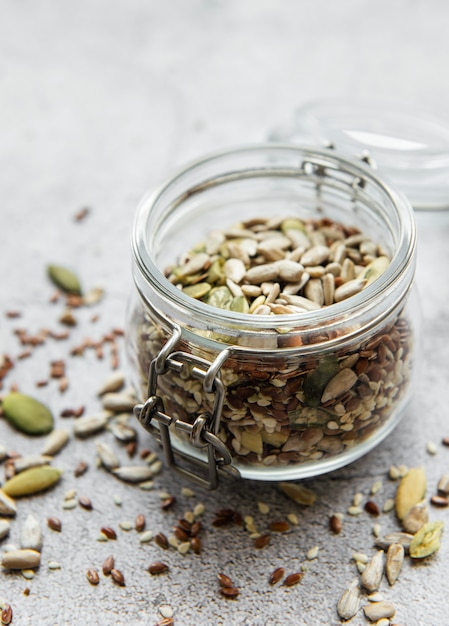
(229, 392)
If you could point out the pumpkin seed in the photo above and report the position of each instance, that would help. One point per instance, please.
(7, 504)
(411, 491)
(427, 540)
(55, 442)
(65, 279)
(21, 559)
(198, 290)
(32, 481)
(404, 539)
(31, 534)
(27, 414)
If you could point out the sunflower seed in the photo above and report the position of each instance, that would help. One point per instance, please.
(7, 504)
(32, 481)
(33, 460)
(4, 528)
(411, 491)
(118, 402)
(298, 493)
(349, 289)
(394, 561)
(21, 559)
(91, 424)
(262, 273)
(31, 534)
(134, 474)
(122, 432)
(27, 414)
(55, 442)
(443, 485)
(396, 537)
(349, 602)
(379, 610)
(113, 383)
(339, 384)
(195, 264)
(107, 456)
(372, 574)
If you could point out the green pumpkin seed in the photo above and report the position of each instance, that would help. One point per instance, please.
(240, 304)
(27, 414)
(32, 481)
(374, 269)
(220, 297)
(317, 379)
(292, 224)
(197, 291)
(427, 540)
(65, 279)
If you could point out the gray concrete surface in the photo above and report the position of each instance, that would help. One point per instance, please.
(100, 100)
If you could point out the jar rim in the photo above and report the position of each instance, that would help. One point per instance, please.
(147, 271)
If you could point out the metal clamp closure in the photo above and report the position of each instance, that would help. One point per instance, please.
(203, 432)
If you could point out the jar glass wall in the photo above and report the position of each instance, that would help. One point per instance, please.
(298, 395)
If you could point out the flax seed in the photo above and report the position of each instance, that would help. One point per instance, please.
(118, 577)
(161, 541)
(109, 532)
(157, 567)
(230, 592)
(54, 523)
(262, 541)
(293, 579)
(85, 503)
(108, 565)
(276, 575)
(92, 576)
(139, 523)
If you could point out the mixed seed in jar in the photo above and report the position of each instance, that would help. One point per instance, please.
(295, 408)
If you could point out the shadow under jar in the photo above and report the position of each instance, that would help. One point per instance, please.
(270, 397)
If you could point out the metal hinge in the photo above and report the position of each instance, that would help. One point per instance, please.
(203, 432)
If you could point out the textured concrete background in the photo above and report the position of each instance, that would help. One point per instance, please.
(98, 101)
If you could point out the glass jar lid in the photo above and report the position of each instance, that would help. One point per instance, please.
(409, 147)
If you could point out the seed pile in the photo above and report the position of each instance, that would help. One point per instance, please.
(279, 266)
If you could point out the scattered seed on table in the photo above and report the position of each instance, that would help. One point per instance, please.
(109, 532)
(161, 540)
(125, 525)
(195, 543)
(108, 565)
(21, 559)
(388, 505)
(166, 610)
(85, 503)
(92, 576)
(54, 523)
(431, 448)
(146, 536)
(276, 575)
(279, 527)
(336, 523)
(31, 534)
(117, 500)
(53, 565)
(293, 579)
(229, 592)
(224, 580)
(157, 567)
(69, 504)
(312, 553)
(293, 519)
(262, 541)
(167, 503)
(6, 614)
(440, 501)
(118, 577)
(139, 523)
(372, 508)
